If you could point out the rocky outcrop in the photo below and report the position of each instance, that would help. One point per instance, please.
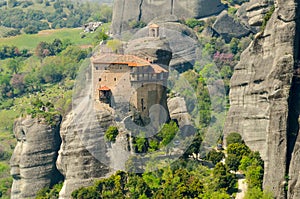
(145, 10)
(178, 111)
(82, 156)
(264, 101)
(33, 161)
(228, 27)
(154, 49)
(175, 37)
(252, 13)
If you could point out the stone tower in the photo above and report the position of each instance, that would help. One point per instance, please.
(153, 30)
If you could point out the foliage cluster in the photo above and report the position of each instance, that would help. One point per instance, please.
(267, 17)
(32, 16)
(182, 179)
(111, 133)
(16, 81)
(240, 157)
(49, 192)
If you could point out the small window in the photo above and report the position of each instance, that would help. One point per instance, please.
(99, 79)
(142, 85)
(115, 79)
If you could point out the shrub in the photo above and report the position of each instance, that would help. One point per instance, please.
(215, 156)
(234, 138)
(111, 133)
(267, 17)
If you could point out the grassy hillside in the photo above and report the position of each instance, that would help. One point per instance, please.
(31, 41)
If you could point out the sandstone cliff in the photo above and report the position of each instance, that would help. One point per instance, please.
(264, 98)
(33, 161)
(145, 10)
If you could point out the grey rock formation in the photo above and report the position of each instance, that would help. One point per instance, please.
(155, 49)
(228, 27)
(33, 161)
(264, 101)
(178, 111)
(180, 39)
(145, 10)
(252, 13)
(82, 156)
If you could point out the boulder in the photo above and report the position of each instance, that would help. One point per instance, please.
(228, 27)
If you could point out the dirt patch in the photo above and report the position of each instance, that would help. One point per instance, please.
(86, 46)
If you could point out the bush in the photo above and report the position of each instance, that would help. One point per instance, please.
(233, 162)
(267, 17)
(111, 133)
(137, 24)
(215, 156)
(31, 30)
(192, 23)
(234, 138)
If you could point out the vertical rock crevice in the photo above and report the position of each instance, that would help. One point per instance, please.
(140, 10)
(293, 156)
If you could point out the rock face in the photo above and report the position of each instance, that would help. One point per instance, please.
(33, 161)
(178, 111)
(82, 144)
(180, 40)
(155, 49)
(264, 99)
(228, 27)
(252, 13)
(145, 10)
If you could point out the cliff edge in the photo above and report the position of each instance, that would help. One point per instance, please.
(264, 98)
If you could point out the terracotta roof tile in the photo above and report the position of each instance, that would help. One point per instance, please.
(130, 60)
(104, 88)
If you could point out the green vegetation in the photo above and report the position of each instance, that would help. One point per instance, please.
(234, 138)
(250, 163)
(31, 41)
(267, 17)
(33, 16)
(182, 179)
(49, 192)
(111, 133)
(215, 156)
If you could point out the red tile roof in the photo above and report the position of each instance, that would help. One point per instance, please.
(130, 60)
(104, 88)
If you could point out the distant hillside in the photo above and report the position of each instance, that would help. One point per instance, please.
(31, 16)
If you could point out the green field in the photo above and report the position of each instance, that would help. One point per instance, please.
(31, 41)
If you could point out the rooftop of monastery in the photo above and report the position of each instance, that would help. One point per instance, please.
(130, 60)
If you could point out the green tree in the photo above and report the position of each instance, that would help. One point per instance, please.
(115, 45)
(223, 178)
(233, 162)
(14, 65)
(215, 156)
(234, 138)
(238, 149)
